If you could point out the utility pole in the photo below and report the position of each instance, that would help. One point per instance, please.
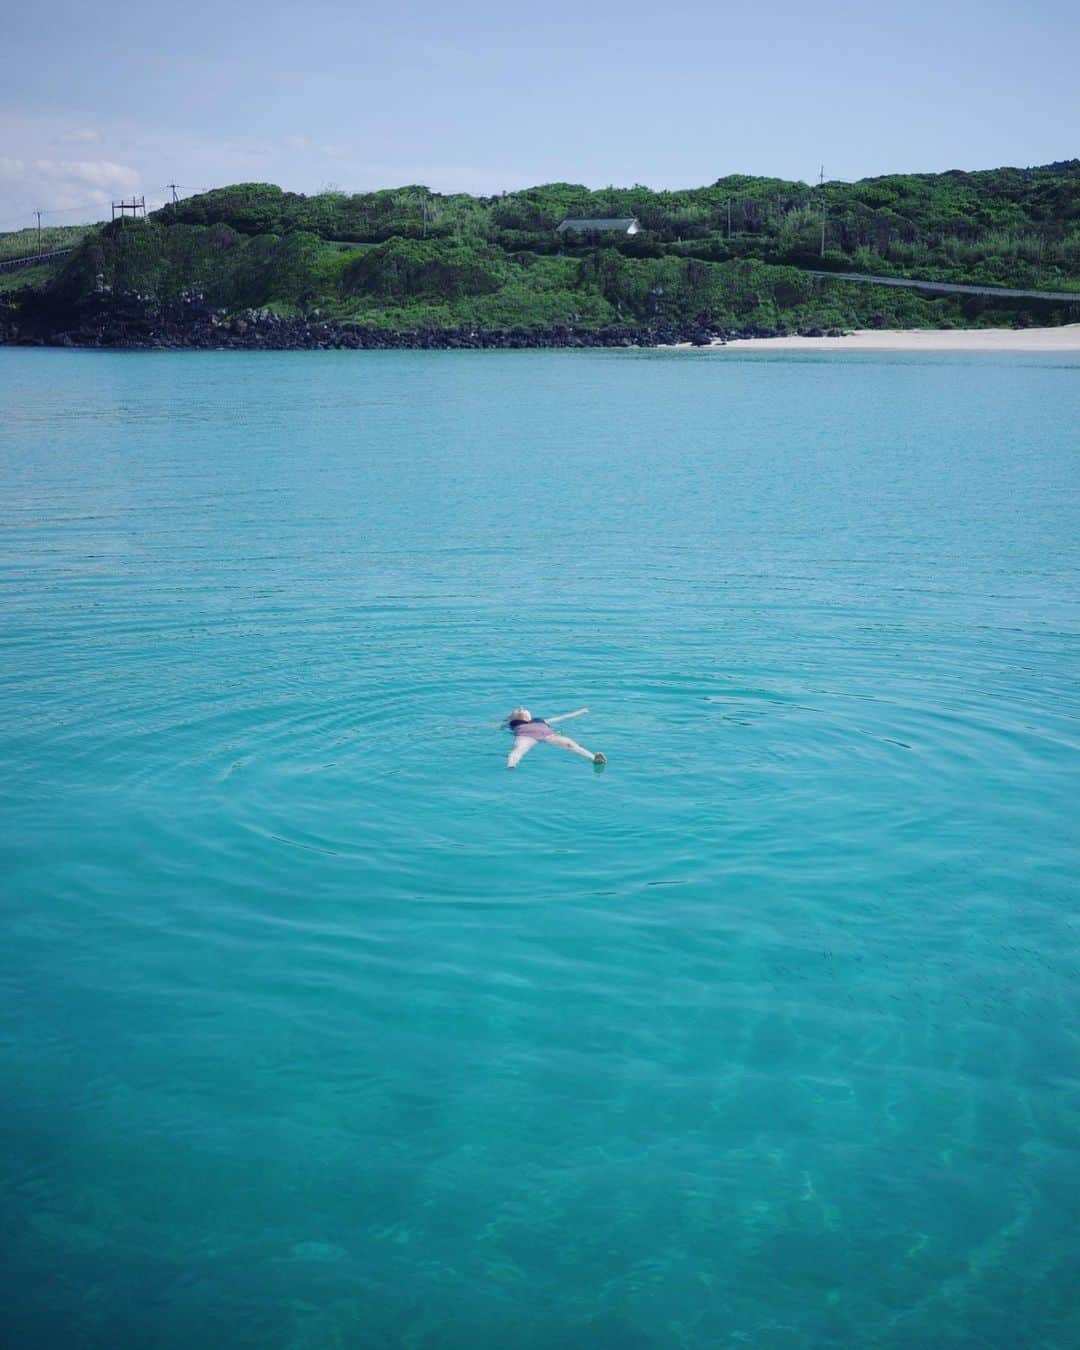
(175, 199)
(38, 214)
(729, 217)
(821, 191)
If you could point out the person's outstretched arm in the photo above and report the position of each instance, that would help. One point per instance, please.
(522, 746)
(565, 717)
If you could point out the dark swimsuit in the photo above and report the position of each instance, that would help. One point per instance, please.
(536, 730)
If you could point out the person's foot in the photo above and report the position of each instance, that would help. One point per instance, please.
(598, 758)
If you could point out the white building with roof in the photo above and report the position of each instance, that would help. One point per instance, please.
(600, 225)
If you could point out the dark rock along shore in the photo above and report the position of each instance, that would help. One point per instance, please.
(137, 322)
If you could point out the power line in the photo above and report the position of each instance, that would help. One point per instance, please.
(65, 210)
(17, 222)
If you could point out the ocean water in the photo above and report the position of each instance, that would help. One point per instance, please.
(321, 1029)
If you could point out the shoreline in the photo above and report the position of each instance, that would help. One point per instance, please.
(1062, 339)
(131, 321)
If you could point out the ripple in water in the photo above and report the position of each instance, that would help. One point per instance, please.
(322, 1028)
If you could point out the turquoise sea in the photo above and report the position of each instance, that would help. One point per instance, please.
(318, 1028)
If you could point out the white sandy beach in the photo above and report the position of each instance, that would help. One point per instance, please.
(1063, 339)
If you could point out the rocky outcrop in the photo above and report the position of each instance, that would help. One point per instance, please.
(129, 320)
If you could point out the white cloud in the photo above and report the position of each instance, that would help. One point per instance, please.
(60, 187)
(76, 185)
(95, 173)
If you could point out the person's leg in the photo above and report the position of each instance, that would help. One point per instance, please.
(565, 743)
(522, 746)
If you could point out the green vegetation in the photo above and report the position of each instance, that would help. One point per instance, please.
(733, 254)
(24, 243)
(25, 278)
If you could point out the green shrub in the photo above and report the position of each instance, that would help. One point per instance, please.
(733, 253)
(430, 269)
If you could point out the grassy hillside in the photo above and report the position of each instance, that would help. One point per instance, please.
(729, 254)
(24, 243)
(26, 278)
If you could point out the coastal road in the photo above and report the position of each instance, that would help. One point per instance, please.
(947, 287)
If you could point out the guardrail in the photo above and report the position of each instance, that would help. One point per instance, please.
(947, 287)
(11, 264)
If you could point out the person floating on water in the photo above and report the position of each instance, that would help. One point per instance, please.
(529, 731)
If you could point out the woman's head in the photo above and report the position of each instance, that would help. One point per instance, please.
(520, 715)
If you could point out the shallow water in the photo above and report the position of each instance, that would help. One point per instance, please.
(322, 1029)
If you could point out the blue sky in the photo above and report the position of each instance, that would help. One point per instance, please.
(108, 99)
